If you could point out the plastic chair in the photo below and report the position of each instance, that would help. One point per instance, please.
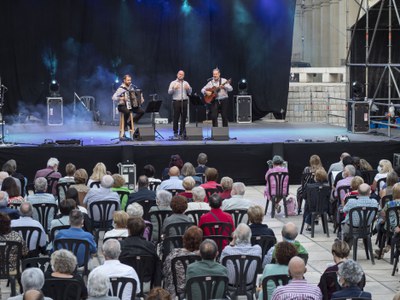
(159, 217)
(179, 265)
(62, 188)
(51, 183)
(210, 191)
(206, 287)
(43, 263)
(196, 214)
(175, 229)
(75, 246)
(378, 185)
(238, 216)
(175, 191)
(7, 250)
(146, 204)
(362, 230)
(305, 179)
(118, 285)
(318, 205)
(153, 185)
(277, 279)
(104, 210)
(43, 213)
(32, 237)
(170, 243)
(54, 231)
(122, 195)
(281, 191)
(242, 273)
(266, 242)
(62, 288)
(217, 228)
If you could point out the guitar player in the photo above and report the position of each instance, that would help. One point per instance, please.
(218, 87)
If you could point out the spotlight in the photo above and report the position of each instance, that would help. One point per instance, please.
(242, 86)
(54, 88)
(358, 90)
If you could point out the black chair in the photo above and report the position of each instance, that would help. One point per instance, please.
(306, 178)
(266, 242)
(104, 211)
(62, 188)
(54, 230)
(170, 243)
(14, 205)
(341, 191)
(206, 287)
(146, 269)
(32, 237)
(118, 285)
(122, 195)
(51, 183)
(362, 230)
(369, 176)
(242, 273)
(43, 263)
(158, 220)
(179, 265)
(62, 289)
(175, 191)
(153, 185)
(43, 212)
(175, 229)
(238, 216)
(318, 205)
(146, 204)
(280, 193)
(217, 228)
(95, 183)
(75, 246)
(119, 238)
(10, 249)
(378, 185)
(221, 242)
(196, 214)
(277, 280)
(211, 191)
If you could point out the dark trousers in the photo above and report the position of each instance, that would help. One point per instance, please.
(217, 106)
(139, 112)
(180, 111)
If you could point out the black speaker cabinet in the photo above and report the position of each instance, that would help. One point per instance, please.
(243, 108)
(358, 117)
(220, 133)
(55, 116)
(144, 134)
(194, 133)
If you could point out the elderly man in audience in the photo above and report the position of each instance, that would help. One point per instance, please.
(285, 251)
(207, 266)
(112, 267)
(26, 220)
(348, 173)
(226, 185)
(143, 192)
(237, 201)
(163, 201)
(199, 194)
(216, 215)
(173, 183)
(12, 213)
(31, 279)
(211, 179)
(202, 160)
(51, 171)
(297, 288)
(364, 191)
(338, 166)
(63, 265)
(256, 216)
(98, 286)
(350, 274)
(136, 245)
(70, 170)
(347, 160)
(289, 234)
(178, 206)
(76, 232)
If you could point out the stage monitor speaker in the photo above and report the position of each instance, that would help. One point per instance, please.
(194, 133)
(220, 133)
(144, 134)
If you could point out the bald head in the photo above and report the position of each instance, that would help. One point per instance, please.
(364, 189)
(173, 171)
(297, 268)
(289, 231)
(26, 209)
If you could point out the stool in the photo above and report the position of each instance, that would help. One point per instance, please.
(122, 125)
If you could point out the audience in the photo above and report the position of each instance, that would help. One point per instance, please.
(237, 201)
(178, 206)
(226, 185)
(81, 178)
(72, 193)
(10, 186)
(149, 171)
(11, 212)
(70, 170)
(391, 180)
(15, 174)
(98, 286)
(338, 166)
(202, 160)
(189, 171)
(120, 221)
(347, 161)
(163, 201)
(51, 171)
(175, 161)
(256, 216)
(188, 184)
(31, 279)
(384, 168)
(119, 186)
(199, 194)
(143, 192)
(348, 174)
(173, 182)
(136, 210)
(99, 171)
(66, 206)
(211, 179)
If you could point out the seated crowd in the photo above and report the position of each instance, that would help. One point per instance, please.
(173, 231)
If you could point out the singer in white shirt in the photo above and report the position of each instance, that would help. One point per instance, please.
(179, 89)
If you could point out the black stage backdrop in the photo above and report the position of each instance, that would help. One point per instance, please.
(86, 44)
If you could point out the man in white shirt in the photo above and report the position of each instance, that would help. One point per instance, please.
(237, 201)
(112, 267)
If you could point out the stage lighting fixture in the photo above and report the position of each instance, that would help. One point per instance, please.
(242, 86)
(54, 88)
(358, 90)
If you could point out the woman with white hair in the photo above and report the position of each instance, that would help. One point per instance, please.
(99, 285)
(350, 274)
(31, 279)
(199, 194)
(63, 266)
(188, 184)
(136, 210)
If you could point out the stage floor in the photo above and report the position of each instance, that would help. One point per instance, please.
(92, 134)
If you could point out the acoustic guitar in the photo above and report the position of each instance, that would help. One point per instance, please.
(214, 92)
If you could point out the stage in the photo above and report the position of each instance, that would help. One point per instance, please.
(243, 157)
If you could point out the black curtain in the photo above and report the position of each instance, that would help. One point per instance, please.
(86, 44)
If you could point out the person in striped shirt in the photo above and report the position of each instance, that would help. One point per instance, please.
(297, 288)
